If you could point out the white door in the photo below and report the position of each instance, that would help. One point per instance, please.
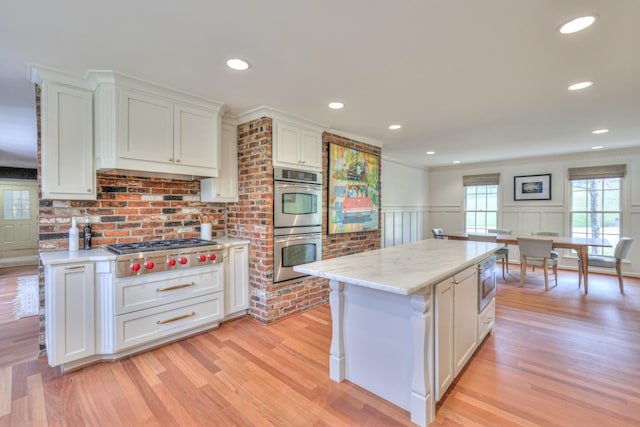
(18, 218)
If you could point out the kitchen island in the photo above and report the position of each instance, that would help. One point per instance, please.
(383, 307)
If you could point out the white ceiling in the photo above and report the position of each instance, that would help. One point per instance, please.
(471, 80)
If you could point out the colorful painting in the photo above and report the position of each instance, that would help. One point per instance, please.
(354, 190)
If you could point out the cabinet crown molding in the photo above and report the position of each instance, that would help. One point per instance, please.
(96, 78)
(275, 114)
(39, 74)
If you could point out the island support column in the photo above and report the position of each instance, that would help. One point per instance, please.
(422, 403)
(336, 358)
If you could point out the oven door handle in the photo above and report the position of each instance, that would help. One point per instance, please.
(290, 239)
(307, 187)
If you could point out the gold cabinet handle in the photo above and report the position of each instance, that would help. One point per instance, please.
(177, 160)
(77, 267)
(173, 288)
(175, 319)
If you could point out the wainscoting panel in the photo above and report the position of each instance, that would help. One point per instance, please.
(401, 225)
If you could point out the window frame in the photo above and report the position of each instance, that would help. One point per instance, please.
(609, 237)
(487, 225)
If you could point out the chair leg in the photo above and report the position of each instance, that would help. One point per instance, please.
(555, 273)
(619, 271)
(503, 278)
(546, 274)
(505, 260)
(579, 273)
(523, 269)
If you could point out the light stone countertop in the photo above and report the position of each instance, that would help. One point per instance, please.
(65, 257)
(101, 254)
(403, 269)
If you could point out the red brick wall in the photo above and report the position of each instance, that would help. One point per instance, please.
(252, 218)
(130, 209)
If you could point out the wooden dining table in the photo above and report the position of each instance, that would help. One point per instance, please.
(579, 244)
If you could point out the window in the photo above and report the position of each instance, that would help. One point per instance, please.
(480, 202)
(596, 204)
(16, 204)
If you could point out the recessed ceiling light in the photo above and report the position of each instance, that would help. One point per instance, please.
(577, 24)
(237, 64)
(599, 131)
(598, 147)
(580, 85)
(394, 127)
(455, 162)
(431, 153)
(336, 105)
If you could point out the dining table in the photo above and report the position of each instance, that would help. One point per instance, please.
(579, 244)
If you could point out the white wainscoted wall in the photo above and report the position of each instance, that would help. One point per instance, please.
(405, 215)
(446, 198)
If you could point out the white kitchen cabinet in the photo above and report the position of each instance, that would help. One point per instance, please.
(66, 137)
(237, 289)
(69, 312)
(153, 130)
(224, 188)
(296, 146)
(456, 316)
(486, 319)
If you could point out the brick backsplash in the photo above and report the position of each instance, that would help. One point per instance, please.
(252, 218)
(130, 209)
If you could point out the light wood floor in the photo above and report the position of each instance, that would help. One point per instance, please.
(19, 338)
(556, 358)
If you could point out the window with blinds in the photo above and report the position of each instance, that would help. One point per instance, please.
(596, 204)
(481, 202)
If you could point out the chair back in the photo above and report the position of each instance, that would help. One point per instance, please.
(545, 233)
(500, 230)
(481, 237)
(622, 248)
(437, 233)
(534, 248)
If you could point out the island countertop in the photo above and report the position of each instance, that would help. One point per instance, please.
(403, 269)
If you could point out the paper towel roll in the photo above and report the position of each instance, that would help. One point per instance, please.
(205, 231)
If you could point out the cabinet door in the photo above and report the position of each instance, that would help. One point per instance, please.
(237, 290)
(146, 127)
(311, 149)
(67, 143)
(196, 137)
(443, 336)
(286, 145)
(224, 188)
(70, 310)
(465, 317)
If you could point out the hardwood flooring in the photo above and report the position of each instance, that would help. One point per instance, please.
(19, 338)
(556, 358)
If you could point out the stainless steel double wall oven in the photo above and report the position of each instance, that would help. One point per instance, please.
(297, 213)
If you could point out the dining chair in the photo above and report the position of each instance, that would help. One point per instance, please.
(536, 252)
(437, 233)
(619, 253)
(503, 252)
(500, 254)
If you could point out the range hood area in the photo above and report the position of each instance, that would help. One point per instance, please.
(118, 124)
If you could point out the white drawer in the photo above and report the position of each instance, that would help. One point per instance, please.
(143, 326)
(486, 319)
(141, 292)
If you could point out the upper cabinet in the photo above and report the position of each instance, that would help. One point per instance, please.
(154, 130)
(224, 188)
(295, 145)
(66, 136)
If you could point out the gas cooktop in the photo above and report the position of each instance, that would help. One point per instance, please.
(158, 245)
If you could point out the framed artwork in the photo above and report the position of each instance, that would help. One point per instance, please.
(532, 187)
(354, 190)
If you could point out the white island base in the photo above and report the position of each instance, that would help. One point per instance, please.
(405, 319)
(377, 336)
